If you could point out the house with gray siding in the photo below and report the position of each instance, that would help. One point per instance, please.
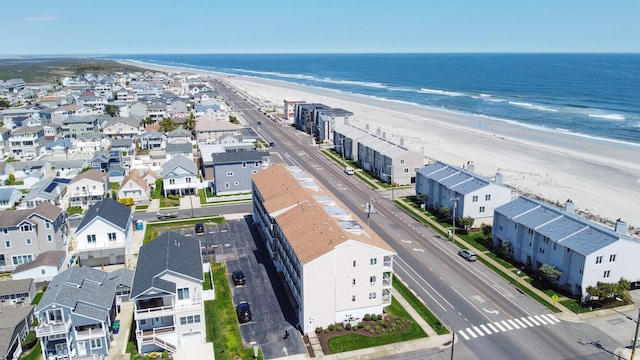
(536, 233)
(27, 142)
(232, 171)
(152, 140)
(74, 126)
(9, 197)
(14, 326)
(24, 234)
(77, 312)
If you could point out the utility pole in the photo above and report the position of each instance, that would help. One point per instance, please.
(453, 341)
(370, 205)
(454, 200)
(635, 338)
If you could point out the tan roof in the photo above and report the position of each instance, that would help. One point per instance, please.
(133, 176)
(310, 230)
(91, 174)
(206, 123)
(72, 107)
(14, 217)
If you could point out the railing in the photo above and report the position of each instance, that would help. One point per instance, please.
(386, 299)
(152, 336)
(53, 328)
(386, 282)
(90, 333)
(154, 311)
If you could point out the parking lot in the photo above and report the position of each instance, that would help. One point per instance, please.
(272, 314)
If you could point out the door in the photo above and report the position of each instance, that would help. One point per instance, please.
(194, 338)
(82, 348)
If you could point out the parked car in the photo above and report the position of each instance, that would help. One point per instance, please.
(348, 170)
(238, 277)
(169, 215)
(468, 255)
(76, 217)
(199, 228)
(244, 312)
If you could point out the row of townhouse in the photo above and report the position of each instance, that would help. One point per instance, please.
(535, 233)
(319, 120)
(387, 161)
(322, 251)
(77, 313)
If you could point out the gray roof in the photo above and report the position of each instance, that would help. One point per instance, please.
(47, 258)
(453, 177)
(179, 133)
(109, 210)
(179, 161)
(169, 252)
(121, 142)
(9, 287)
(6, 193)
(88, 292)
(179, 148)
(9, 322)
(238, 156)
(12, 218)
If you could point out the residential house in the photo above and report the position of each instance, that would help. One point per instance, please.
(208, 130)
(48, 190)
(5, 149)
(9, 197)
(206, 96)
(17, 291)
(78, 310)
(463, 191)
(184, 149)
(217, 111)
(24, 169)
(178, 136)
(89, 143)
(180, 176)
(27, 142)
(124, 145)
(116, 174)
(104, 160)
(232, 171)
(320, 249)
(68, 169)
(88, 188)
(138, 110)
(167, 291)
(24, 234)
(47, 265)
(135, 187)
(104, 235)
(14, 326)
(536, 233)
(157, 112)
(58, 147)
(76, 126)
(122, 128)
(305, 116)
(52, 131)
(152, 140)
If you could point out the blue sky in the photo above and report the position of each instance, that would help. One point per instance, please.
(43, 27)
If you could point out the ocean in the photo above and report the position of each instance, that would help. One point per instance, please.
(591, 95)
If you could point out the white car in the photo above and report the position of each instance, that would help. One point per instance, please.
(348, 170)
(76, 217)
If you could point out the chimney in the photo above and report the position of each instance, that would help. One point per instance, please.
(470, 166)
(570, 207)
(498, 179)
(621, 227)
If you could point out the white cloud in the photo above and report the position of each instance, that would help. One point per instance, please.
(41, 18)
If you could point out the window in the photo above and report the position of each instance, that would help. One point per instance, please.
(183, 293)
(5, 230)
(55, 315)
(254, 171)
(372, 296)
(111, 236)
(25, 227)
(191, 319)
(612, 258)
(373, 261)
(229, 173)
(481, 209)
(256, 164)
(188, 179)
(49, 238)
(7, 244)
(353, 282)
(599, 260)
(227, 185)
(406, 170)
(487, 197)
(354, 263)
(91, 239)
(236, 183)
(47, 225)
(474, 198)
(372, 280)
(606, 274)
(21, 259)
(28, 241)
(96, 343)
(172, 181)
(353, 298)
(42, 272)
(401, 161)
(244, 164)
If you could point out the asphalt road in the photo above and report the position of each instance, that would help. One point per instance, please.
(490, 317)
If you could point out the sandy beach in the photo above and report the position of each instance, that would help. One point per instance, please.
(601, 177)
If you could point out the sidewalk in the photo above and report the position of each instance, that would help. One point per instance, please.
(118, 348)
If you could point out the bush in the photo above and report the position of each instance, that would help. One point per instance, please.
(331, 327)
(339, 328)
(174, 197)
(360, 324)
(379, 316)
(29, 341)
(165, 354)
(354, 327)
(388, 331)
(326, 330)
(367, 328)
(318, 329)
(378, 330)
(366, 317)
(348, 326)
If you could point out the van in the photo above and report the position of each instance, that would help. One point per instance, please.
(348, 170)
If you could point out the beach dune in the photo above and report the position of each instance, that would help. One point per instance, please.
(601, 177)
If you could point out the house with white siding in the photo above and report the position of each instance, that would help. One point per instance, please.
(321, 250)
(88, 188)
(104, 235)
(180, 177)
(537, 233)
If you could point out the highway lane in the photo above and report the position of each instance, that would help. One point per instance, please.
(467, 297)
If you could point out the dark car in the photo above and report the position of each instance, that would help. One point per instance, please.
(244, 312)
(467, 255)
(259, 122)
(199, 228)
(238, 277)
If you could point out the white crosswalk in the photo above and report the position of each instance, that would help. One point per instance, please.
(473, 332)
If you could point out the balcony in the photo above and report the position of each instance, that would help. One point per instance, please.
(159, 337)
(152, 308)
(53, 327)
(386, 296)
(89, 332)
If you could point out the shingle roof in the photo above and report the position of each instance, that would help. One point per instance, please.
(179, 161)
(47, 258)
(9, 321)
(169, 252)
(91, 174)
(238, 156)
(109, 210)
(9, 287)
(46, 210)
(179, 148)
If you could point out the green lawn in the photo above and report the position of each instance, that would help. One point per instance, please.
(157, 190)
(207, 281)
(36, 299)
(74, 210)
(35, 354)
(352, 341)
(166, 202)
(221, 321)
(154, 227)
(419, 307)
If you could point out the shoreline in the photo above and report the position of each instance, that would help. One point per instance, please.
(597, 174)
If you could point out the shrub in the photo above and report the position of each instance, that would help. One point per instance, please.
(360, 324)
(388, 331)
(378, 330)
(367, 328)
(348, 326)
(326, 330)
(379, 316)
(318, 329)
(29, 341)
(339, 328)
(165, 354)
(366, 317)
(354, 327)
(331, 327)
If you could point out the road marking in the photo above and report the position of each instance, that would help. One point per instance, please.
(523, 325)
(485, 329)
(493, 328)
(524, 320)
(533, 320)
(478, 331)
(463, 335)
(496, 327)
(406, 241)
(551, 319)
(471, 333)
(414, 249)
(499, 326)
(491, 311)
(513, 323)
(506, 325)
(541, 319)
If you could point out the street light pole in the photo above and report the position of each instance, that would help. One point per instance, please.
(635, 338)
(454, 200)
(453, 341)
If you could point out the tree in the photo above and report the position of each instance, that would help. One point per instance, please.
(487, 230)
(190, 123)
(422, 200)
(112, 110)
(467, 222)
(506, 249)
(550, 273)
(444, 212)
(146, 121)
(4, 103)
(610, 292)
(167, 124)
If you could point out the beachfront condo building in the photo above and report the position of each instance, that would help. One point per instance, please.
(322, 251)
(320, 120)
(466, 193)
(536, 233)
